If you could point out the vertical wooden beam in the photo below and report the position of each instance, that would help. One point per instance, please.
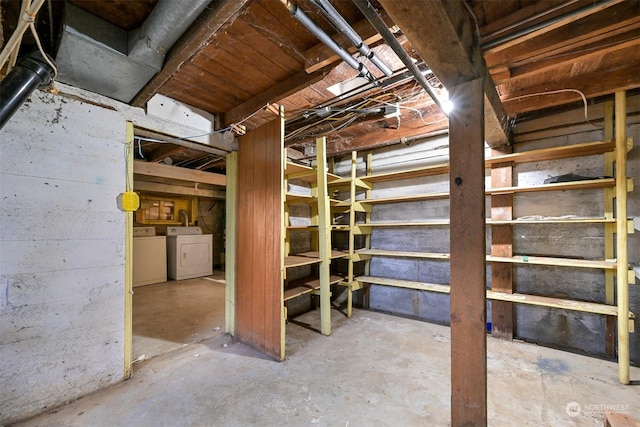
(609, 235)
(324, 236)
(502, 245)
(622, 277)
(352, 224)
(230, 242)
(128, 258)
(367, 242)
(468, 281)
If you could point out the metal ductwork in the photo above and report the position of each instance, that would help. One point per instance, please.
(98, 56)
(31, 72)
(314, 29)
(343, 26)
(374, 18)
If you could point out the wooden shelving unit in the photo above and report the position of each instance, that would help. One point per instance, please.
(319, 258)
(619, 186)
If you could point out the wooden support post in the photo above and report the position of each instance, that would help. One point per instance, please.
(622, 276)
(128, 258)
(230, 242)
(502, 245)
(352, 223)
(468, 281)
(367, 242)
(609, 235)
(324, 236)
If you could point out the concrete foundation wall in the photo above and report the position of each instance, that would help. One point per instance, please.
(582, 332)
(61, 254)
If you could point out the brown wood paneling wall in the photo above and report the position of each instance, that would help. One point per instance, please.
(259, 239)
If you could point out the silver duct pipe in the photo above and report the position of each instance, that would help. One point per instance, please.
(372, 16)
(168, 20)
(343, 26)
(298, 14)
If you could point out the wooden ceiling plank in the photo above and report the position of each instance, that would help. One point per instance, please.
(525, 13)
(443, 35)
(601, 83)
(165, 150)
(214, 19)
(598, 20)
(177, 173)
(542, 65)
(275, 93)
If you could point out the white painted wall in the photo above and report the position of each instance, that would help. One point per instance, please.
(61, 254)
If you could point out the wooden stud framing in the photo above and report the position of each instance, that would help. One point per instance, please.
(622, 279)
(352, 223)
(609, 234)
(468, 280)
(231, 211)
(502, 245)
(324, 237)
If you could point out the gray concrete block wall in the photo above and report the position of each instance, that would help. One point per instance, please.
(582, 332)
(61, 254)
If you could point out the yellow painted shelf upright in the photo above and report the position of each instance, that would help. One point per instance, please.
(618, 275)
(319, 258)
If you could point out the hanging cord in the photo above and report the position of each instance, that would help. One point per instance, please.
(32, 27)
(584, 101)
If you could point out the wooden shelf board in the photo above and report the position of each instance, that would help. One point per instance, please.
(301, 198)
(501, 296)
(408, 174)
(340, 227)
(299, 260)
(316, 255)
(410, 198)
(574, 150)
(307, 285)
(573, 185)
(440, 222)
(518, 259)
(300, 172)
(302, 227)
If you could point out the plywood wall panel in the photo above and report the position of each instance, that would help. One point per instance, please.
(258, 259)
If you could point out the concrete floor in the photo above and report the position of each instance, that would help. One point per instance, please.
(174, 314)
(375, 370)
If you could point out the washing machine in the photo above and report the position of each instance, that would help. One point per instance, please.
(149, 256)
(189, 253)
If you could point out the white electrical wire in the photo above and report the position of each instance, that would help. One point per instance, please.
(551, 92)
(30, 19)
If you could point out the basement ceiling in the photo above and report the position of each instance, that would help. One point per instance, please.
(241, 55)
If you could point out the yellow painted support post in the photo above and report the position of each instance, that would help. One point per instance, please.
(230, 242)
(609, 234)
(324, 236)
(128, 257)
(352, 224)
(622, 278)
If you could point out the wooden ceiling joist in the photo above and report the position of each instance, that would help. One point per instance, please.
(202, 33)
(178, 173)
(442, 33)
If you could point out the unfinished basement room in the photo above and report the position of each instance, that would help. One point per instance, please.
(319, 212)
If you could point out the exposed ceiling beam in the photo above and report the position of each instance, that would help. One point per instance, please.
(600, 22)
(178, 173)
(531, 67)
(443, 34)
(276, 93)
(165, 150)
(155, 187)
(592, 85)
(215, 18)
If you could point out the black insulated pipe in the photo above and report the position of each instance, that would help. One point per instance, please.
(313, 28)
(381, 27)
(343, 26)
(30, 72)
